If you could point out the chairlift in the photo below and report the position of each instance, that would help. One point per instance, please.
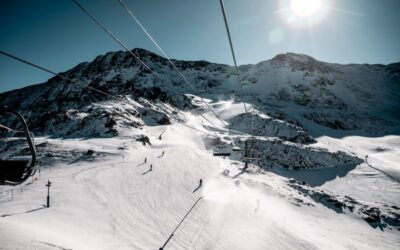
(236, 149)
(221, 151)
(15, 172)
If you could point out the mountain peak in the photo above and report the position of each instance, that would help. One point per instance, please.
(300, 62)
(142, 52)
(294, 57)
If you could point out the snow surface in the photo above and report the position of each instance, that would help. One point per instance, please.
(112, 201)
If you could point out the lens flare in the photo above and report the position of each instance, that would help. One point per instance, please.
(303, 13)
(305, 8)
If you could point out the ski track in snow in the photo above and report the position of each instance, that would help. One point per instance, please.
(110, 203)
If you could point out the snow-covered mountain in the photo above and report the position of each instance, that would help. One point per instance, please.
(365, 98)
(325, 145)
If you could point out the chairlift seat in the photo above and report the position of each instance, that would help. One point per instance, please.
(15, 172)
(12, 170)
(221, 154)
(221, 151)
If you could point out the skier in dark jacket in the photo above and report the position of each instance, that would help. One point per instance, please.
(200, 182)
(151, 167)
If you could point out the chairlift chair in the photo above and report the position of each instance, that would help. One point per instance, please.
(221, 151)
(236, 149)
(15, 172)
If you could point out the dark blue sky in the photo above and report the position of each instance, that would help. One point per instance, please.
(58, 35)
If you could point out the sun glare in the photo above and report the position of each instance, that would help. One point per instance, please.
(305, 8)
(303, 13)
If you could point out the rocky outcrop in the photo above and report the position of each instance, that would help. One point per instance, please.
(270, 127)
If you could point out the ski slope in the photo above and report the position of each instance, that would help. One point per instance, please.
(114, 201)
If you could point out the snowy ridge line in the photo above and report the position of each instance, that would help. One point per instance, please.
(176, 228)
(167, 57)
(59, 75)
(54, 73)
(155, 43)
(130, 52)
(115, 38)
(91, 88)
(85, 85)
(145, 31)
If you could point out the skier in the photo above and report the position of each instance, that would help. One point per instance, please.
(201, 182)
(151, 167)
(162, 153)
(145, 159)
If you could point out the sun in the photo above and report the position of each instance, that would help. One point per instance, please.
(304, 13)
(305, 8)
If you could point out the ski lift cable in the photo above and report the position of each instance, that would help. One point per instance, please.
(53, 73)
(8, 129)
(61, 76)
(184, 124)
(125, 47)
(113, 36)
(165, 54)
(83, 85)
(167, 57)
(232, 51)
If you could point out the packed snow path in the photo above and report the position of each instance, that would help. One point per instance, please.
(116, 202)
